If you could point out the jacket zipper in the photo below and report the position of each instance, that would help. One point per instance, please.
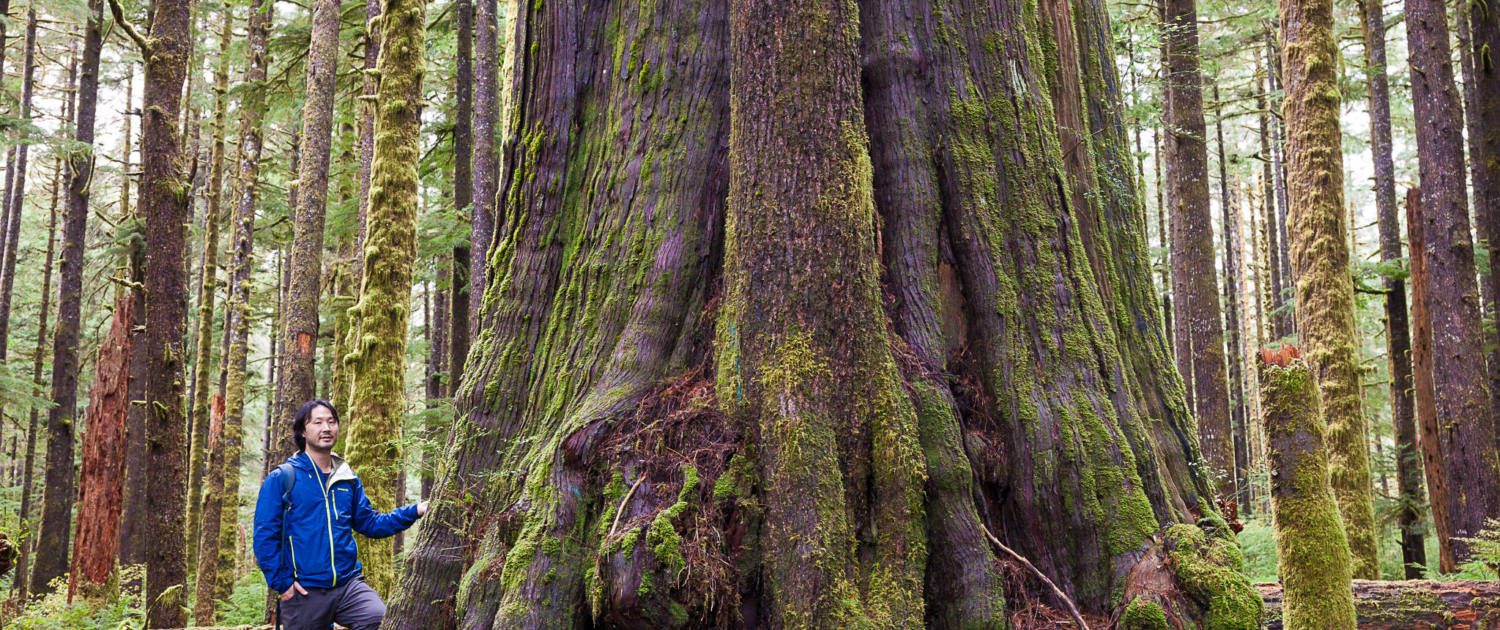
(294, 556)
(332, 563)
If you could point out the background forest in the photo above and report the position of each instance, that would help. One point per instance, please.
(244, 107)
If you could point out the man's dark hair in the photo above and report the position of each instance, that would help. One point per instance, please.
(299, 421)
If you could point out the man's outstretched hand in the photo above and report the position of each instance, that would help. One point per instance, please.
(422, 509)
(295, 590)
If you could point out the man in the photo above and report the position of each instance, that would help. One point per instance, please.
(304, 519)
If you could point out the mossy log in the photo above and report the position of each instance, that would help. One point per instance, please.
(1409, 605)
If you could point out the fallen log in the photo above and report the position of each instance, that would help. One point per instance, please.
(1410, 605)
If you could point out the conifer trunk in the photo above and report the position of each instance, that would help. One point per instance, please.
(1274, 229)
(630, 359)
(1312, 552)
(58, 486)
(377, 357)
(1229, 207)
(1397, 325)
(1199, 326)
(486, 167)
(456, 296)
(18, 201)
(28, 465)
(1319, 237)
(217, 558)
(1484, 142)
(208, 283)
(163, 203)
(1423, 388)
(296, 381)
(1466, 432)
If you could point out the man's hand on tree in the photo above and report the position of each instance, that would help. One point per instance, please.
(422, 509)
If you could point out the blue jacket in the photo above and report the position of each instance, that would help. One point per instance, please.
(319, 549)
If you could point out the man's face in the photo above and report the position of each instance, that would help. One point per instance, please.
(321, 430)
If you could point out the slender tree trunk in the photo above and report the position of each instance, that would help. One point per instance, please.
(435, 330)
(343, 298)
(1320, 250)
(456, 338)
(1199, 324)
(217, 558)
(164, 204)
(102, 483)
(59, 488)
(484, 211)
(1313, 555)
(1461, 387)
(1275, 229)
(1397, 326)
(377, 361)
(296, 382)
(1231, 222)
(133, 522)
(20, 582)
(1423, 390)
(208, 283)
(1164, 241)
(18, 201)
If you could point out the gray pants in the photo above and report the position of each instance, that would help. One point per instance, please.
(351, 604)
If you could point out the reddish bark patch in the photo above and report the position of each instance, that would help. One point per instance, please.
(1282, 357)
(102, 483)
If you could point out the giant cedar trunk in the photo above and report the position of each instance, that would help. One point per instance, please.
(1319, 239)
(1397, 324)
(163, 203)
(1199, 324)
(102, 480)
(644, 441)
(57, 502)
(1461, 385)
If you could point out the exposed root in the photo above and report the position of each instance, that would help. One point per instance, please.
(1057, 592)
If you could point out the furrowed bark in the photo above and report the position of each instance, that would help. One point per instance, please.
(1397, 325)
(1229, 207)
(377, 358)
(1320, 248)
(835, 462)
(1461, 385)
(102, 478)
(208, 289)
(648, 286)
(1423, 387)
(296, 381)
(212, 509)
(59, 489)
(163, 202)
(1198, 322)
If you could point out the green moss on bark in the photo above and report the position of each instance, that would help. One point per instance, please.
(1209, 569)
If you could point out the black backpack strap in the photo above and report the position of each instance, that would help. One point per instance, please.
(288, 479)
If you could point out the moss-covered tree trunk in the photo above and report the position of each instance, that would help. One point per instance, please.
(59, 490)
(296, 381)
(1198, 321)
(163, 202)
(217, 558)
(378, 327)
(102, 477)
(1422, 385)
(653, 411)
(208, 281)
(1319, 238)
(1397, 324)
(1466, 432)
(1312, 552)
